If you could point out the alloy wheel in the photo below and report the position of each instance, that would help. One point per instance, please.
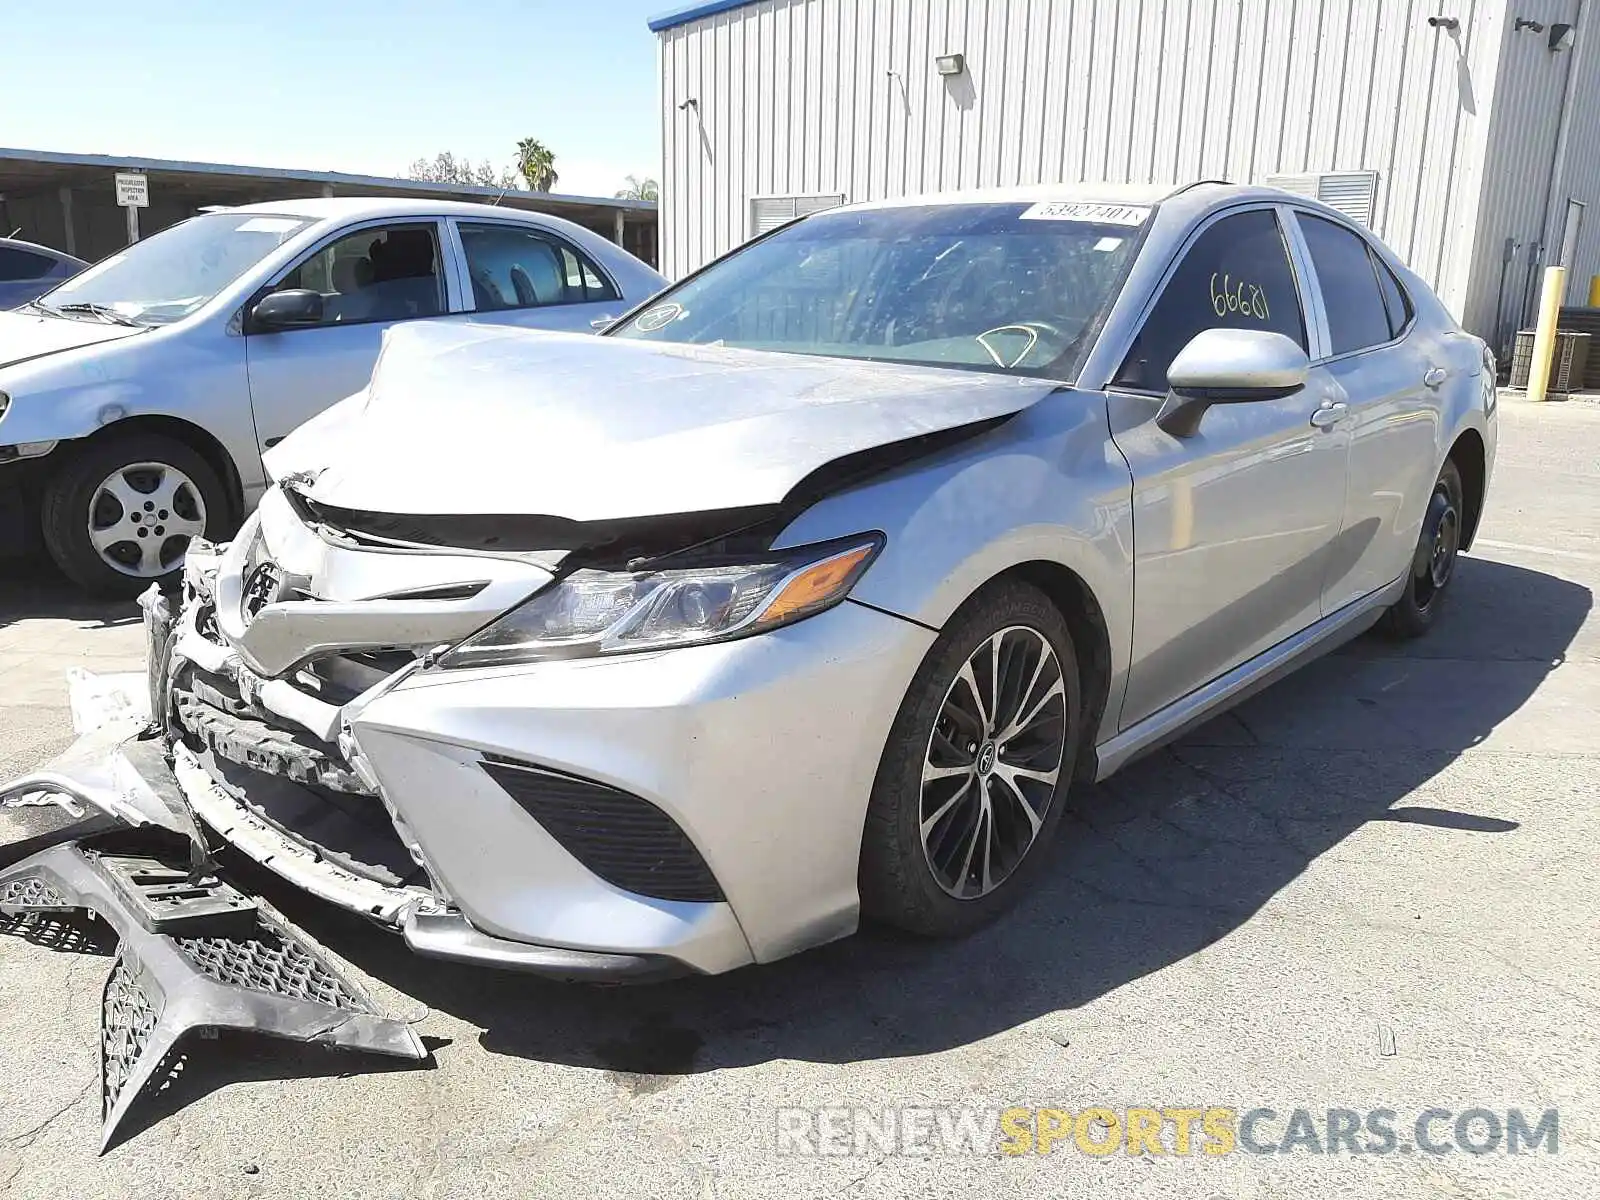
(142, 517)
(992, 762)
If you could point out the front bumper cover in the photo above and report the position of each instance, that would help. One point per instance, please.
(194, 953)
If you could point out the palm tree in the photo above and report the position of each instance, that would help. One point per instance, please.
(640, 189)
(537, 164)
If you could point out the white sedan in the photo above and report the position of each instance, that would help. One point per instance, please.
(136, 398)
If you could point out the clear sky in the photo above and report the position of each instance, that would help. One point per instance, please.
(340, 85)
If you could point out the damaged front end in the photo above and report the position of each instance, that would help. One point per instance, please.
(102, 831)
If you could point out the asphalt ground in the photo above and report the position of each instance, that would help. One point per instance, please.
(1372, 887)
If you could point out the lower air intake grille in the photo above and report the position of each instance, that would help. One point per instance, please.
(628, 842)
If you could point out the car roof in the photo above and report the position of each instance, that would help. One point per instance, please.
(35, 247)
(323, 208)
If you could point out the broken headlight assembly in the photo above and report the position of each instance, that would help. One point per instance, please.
(593, 612)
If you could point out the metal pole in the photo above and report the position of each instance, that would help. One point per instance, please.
(1558, 159)
(71, 246)
(133, 224)
(617, 225)
(1544, 337)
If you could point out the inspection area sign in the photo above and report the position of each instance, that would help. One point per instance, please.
(133, 190)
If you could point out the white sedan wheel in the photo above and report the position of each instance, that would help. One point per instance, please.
(142, 516)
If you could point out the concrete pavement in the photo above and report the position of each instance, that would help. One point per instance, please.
(1372, 886)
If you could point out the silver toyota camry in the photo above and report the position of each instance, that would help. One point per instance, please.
(806, 593)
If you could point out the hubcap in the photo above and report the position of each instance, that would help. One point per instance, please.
(1436, 553)
(142, 517)
(993, 759)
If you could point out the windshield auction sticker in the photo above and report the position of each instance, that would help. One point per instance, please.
(1077, 210)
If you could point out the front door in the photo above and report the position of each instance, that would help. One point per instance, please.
(1233, 525)
(369, 280)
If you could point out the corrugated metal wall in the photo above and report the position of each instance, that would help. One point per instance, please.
(1521, 146)
(796, 96)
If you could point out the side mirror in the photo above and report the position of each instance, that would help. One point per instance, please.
(287, 310)
(1229, 366)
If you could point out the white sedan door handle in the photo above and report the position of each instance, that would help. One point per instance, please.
(1435, 377)
(1330, 415)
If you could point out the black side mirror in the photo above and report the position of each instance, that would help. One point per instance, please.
(289, 309)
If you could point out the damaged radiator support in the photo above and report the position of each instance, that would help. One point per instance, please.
(194, 954)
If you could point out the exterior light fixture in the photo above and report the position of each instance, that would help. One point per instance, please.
(1561, 37)
(691, 102)
(951, 64)
(1527, 23)
(1449, 24)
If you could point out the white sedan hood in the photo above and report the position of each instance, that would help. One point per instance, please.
(464, 419)
(25, 335)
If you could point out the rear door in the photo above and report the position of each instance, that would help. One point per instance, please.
(1233, 525)
(517, 273)
(1390, 375)
(370, 278)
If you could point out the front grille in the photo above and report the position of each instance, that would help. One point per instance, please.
(270, 963)
(625, 840)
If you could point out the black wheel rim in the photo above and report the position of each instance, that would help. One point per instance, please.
(1436, 551)
(992, 762)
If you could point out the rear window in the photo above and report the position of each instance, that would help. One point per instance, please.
(17, 263)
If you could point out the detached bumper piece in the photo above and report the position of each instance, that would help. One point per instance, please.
(194, 955)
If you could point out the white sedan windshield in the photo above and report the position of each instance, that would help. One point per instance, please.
(171, 274)
(996, 287)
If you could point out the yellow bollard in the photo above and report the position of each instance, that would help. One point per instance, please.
(1544, 336)
(1594, 291)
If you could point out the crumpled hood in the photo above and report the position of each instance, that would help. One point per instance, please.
(469, 419)
(25, 335)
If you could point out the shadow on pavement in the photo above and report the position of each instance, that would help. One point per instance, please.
(1160, 862)
(32, 587)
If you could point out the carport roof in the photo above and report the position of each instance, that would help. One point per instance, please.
(27, 169)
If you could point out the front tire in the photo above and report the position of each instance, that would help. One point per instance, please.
(1433, 563)
(119, 515)
(970, 790)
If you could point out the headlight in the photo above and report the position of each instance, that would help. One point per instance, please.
(612, 612)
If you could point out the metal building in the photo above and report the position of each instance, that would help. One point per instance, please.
(1465, 132)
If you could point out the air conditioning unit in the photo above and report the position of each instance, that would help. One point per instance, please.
(1354, 193)
(768, 212)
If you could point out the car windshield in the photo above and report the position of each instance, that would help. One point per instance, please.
(169, 275)
(1015, 288)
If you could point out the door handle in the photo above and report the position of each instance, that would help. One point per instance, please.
(1330, 415)
(1435, 377)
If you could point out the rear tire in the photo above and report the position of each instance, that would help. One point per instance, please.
(1432, 563)
(118, 515)
(970, 790)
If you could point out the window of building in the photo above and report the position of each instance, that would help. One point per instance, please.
(1236, 275)
(768, 212)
